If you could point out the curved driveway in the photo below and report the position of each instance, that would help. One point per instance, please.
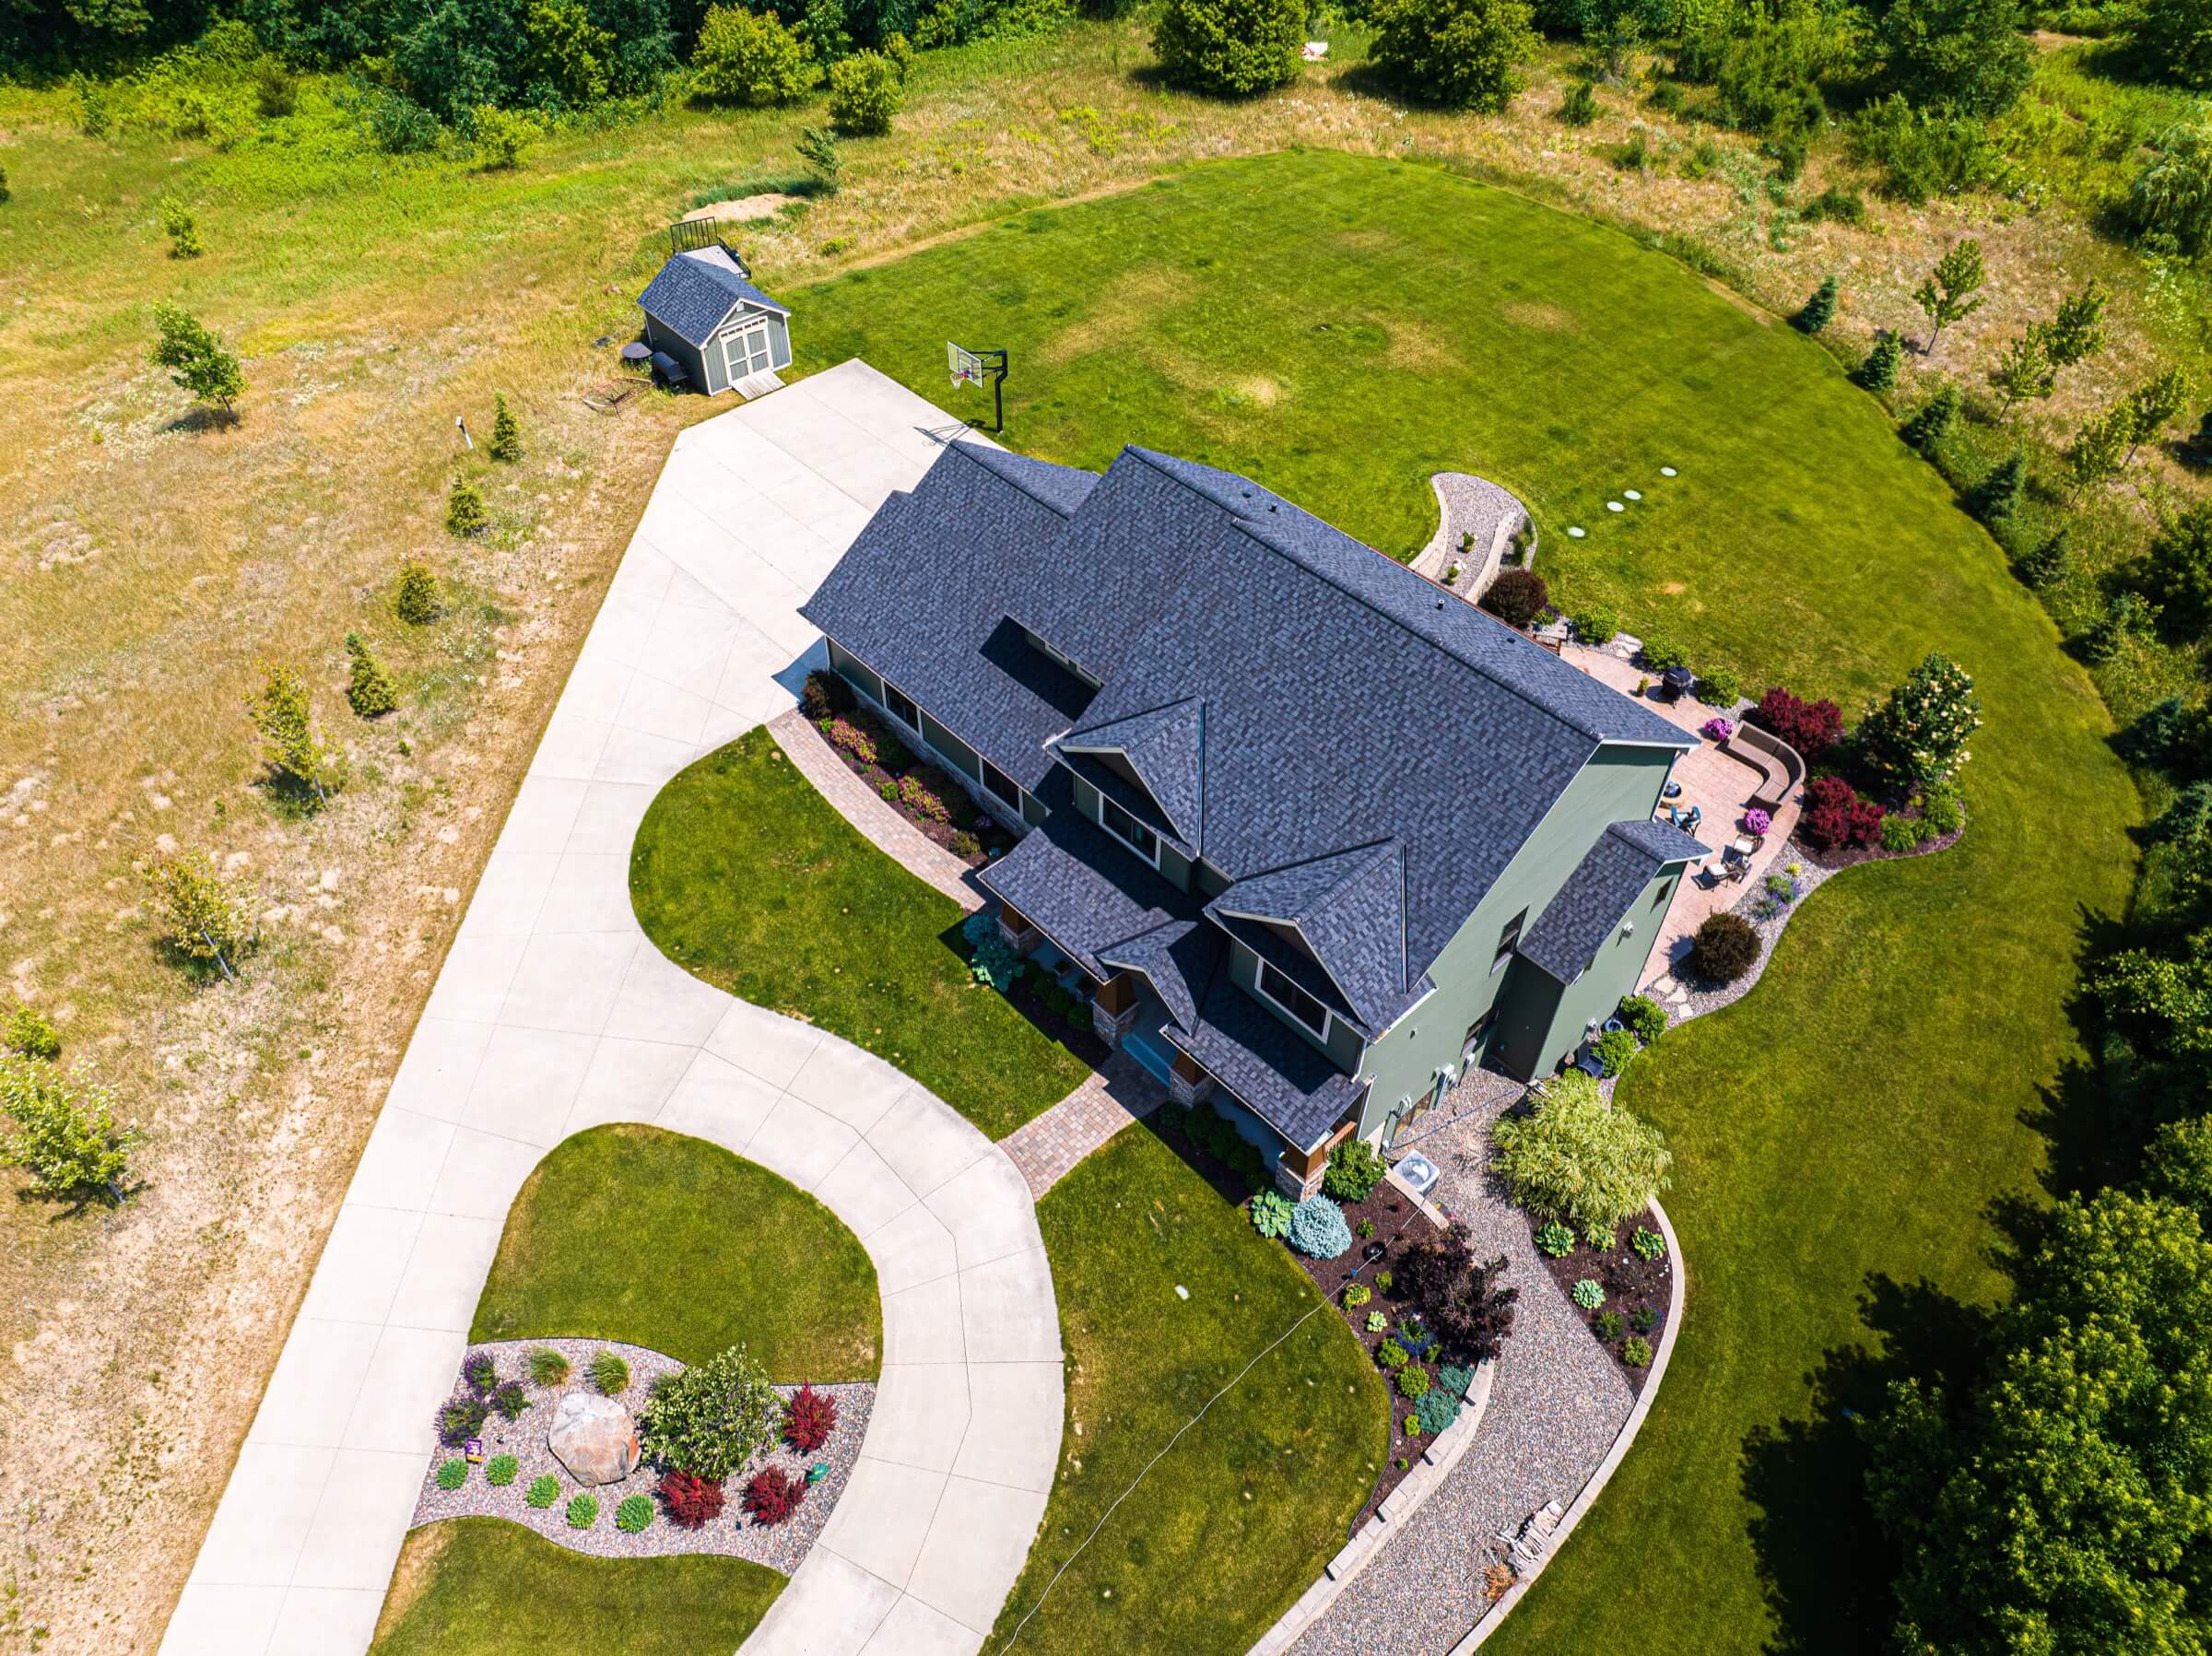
(553, 1013)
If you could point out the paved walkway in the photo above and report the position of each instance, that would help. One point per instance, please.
(866, 810)
(553, 1013)
(1557, 1404)
(1047, 1147)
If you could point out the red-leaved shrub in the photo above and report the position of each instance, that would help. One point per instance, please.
(1835, 815)
(808, 1420)
(773, 1494)
(1811, 727)
(691, 1500)
(924, 791)
(853, 737)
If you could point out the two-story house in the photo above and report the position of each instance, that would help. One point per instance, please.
(1318, 834)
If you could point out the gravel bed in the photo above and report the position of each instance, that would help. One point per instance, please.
(1556, 1403)
(780, 1547)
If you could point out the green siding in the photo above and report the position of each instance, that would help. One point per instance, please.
(1597, 992)
(1617, 784)
(862, 676)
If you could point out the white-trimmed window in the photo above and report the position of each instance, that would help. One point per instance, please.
(901, 706)
(1129, 831)
(1510, 939)
(1302, 1007)
(1001, 787)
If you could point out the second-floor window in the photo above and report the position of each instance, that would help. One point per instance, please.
(901, 706)
(1129, 831)
(1510, 939)
(1277, 987)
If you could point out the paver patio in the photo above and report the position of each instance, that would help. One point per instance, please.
(1718, 783)
(553, 1013)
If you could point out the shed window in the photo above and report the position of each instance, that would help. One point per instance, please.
(1510, 939)
(1277, 987)
(1001, 786)
(901, 706)
(1129, 831)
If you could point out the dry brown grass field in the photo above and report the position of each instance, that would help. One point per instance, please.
(152, 561)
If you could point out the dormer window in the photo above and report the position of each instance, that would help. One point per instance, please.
(1301, 1007)
(1129, 831)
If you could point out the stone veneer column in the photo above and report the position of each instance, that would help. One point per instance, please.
(1017, 929)
(1114, 1009)
(1187, 1084)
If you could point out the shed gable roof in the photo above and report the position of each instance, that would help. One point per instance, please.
(695, 293)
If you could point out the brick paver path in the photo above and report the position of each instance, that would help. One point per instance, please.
(888, 831)
(1044, 1149)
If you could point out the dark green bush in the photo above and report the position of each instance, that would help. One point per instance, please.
(1516, 596)
(1725, 947)
(1462, 55)
(866, 92)
(545, 1489)
(1578, 106)
(1354, 1171)
(1232, 48)
(1645, 1016)
(452, 1475)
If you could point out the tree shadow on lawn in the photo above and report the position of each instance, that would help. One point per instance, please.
(2095, 1128)
(1823, 1562)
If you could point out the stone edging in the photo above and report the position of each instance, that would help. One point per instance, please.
(1437, 1460)
(1614, 1456)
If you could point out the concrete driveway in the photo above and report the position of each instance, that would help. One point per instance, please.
(553, 1013)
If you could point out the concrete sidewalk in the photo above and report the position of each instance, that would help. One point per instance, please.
(553, 1013)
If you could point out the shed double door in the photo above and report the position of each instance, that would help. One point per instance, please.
(745, 351)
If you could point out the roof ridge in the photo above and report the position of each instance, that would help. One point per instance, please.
(981, 454)
(1253, 527)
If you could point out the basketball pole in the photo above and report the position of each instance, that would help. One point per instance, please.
(996, 362)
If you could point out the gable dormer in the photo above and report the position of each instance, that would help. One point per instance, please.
(1149, 769)
(1332, 928)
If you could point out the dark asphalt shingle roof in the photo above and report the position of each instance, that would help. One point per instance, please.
(1180, 958)
(1294, 1087)
(1598, 894)
(918, 597)
(695, 290)
(1350, 910)
(1165, 746)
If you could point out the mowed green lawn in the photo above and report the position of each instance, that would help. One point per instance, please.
(1236, 1520)
(1339, 328)
(484, 1587)
(745, 876)
(738, 1256)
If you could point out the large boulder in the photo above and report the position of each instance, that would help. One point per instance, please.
(594, 1437)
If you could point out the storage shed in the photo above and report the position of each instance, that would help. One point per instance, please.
(703, 310)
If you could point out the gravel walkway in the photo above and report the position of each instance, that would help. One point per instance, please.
(1557, 1404)
(1468, 505)
(780, 1547)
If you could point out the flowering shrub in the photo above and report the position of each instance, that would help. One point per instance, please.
(1811, 727)
(1757, 821)
(692, 1501)
(849, 735)
(773, 1494)
(808, 1420)
(923, 792)
(1717, 729)
(477, 1369)
(1918, 735)
(712, 1416)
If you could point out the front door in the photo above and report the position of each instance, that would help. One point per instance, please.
(746, 351)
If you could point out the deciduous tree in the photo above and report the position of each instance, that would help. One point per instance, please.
(195, 358)
(291, 747)
(1917, 736)
(1232, 48)
(1953, 290)
(200, 915)
(744, 57)
(62, 1131)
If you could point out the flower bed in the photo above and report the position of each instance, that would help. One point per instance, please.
(1636, 1290)
(939, 808)
(1398, 1227)
(608, 1532)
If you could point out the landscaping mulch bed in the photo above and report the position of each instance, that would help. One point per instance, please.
(1635, 1286)
(1850, 856)
(779, 1547)
(992, 839)
(1768, 915)
(1399, 1227)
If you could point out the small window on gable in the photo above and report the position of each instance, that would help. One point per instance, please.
(1001, 786)
(1510, 939)
(901, 706)
(1277, 987)
(1665, 891)
(1129, 831)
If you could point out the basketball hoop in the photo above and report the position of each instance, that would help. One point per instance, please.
(968, 368)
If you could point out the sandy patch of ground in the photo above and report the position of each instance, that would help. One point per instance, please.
(744, 210)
